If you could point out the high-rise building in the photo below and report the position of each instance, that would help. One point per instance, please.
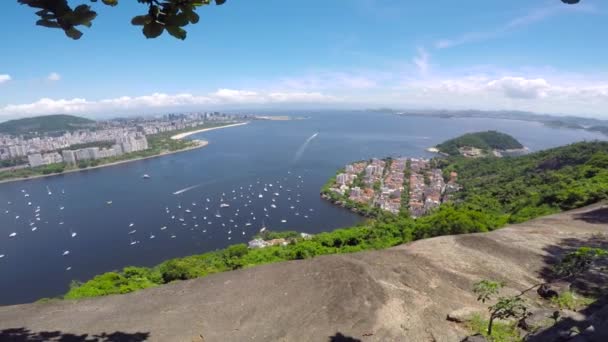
(35, 160)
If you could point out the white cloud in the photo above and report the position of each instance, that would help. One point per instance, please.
(422, 61)
(521, 88)
(160, 100)
(5, 78)
(534, 16)
(53, 76)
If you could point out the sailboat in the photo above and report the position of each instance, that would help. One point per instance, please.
(217, 214)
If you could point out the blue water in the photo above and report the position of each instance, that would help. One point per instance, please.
(264, 151)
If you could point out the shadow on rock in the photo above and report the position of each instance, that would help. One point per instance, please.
(339, 337)
(26, 335)
(597, 216)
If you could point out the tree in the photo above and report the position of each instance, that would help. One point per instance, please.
(505, 307)
(169, 15)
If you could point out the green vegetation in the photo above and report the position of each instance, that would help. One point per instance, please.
(13, 162)
(271, 235)
(506, 307)
(100, 144)
(486, 141)
(45, 125)
(496, 191)
(571, 301)
(502, 332)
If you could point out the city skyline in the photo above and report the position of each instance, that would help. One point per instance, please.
(349, 55)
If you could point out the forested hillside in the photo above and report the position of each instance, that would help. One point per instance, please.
(44, 124)
(487, 141)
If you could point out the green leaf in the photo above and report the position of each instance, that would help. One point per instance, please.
(47, 23)
(153, 30)
(141, 20)
(176, 32)
(73, 33)
(177, 20)
(110, 2)
(193, 17)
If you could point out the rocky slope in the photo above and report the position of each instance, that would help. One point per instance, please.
(399, 294)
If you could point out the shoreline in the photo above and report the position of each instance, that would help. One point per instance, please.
(187, 134)
(199, 144)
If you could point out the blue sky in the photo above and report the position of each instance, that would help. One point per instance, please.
(540, 55)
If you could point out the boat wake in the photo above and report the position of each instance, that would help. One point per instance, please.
(302, 148)
(187, 189)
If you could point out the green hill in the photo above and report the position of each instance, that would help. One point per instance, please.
(486, 141)
(47, 124)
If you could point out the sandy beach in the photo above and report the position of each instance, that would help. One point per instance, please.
(186, 134)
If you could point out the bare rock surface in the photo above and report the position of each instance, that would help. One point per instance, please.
(399, 294)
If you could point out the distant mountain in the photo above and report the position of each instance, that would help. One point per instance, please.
(486, 141)
(47, 124)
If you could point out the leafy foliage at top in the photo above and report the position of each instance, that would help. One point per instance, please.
(486, 141)
(162, 15)
(44, 124)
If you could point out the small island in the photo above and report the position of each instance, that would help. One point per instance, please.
(480, 144)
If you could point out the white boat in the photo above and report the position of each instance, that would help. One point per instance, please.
(61, 208)
(173, 236)
(1, 256)
(208, 200)
(29, 203)
(60, 223)
(283, 221)
(243, 233)
(188, 210)
(133, 243)
(273, 205)
(181, 220)
(224, 205)
(74, 234)
(247, 224)
(65, 253)
(34, 229)
(68, 268)
(276, 194)
(265, 189)
(163, 227)
(260, 196)
(49, 191)
(131, 224)
(204, 230)
(145, 176)
(152, 236)
(230, 232)
(217, 214)
(133, 231)
(27, 195)
(13, 234)
(108, 202)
